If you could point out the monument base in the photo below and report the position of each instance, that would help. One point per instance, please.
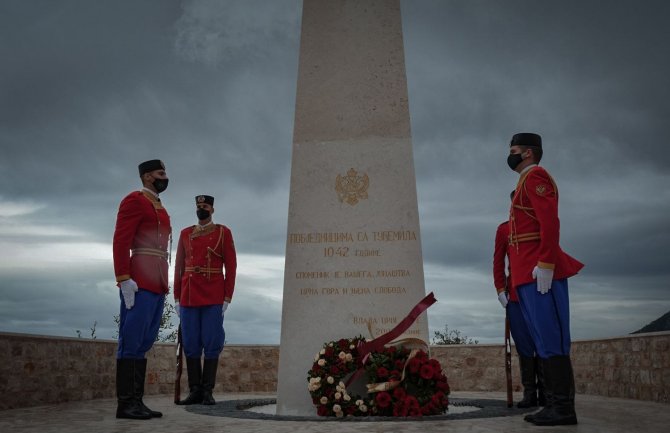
(261, 409)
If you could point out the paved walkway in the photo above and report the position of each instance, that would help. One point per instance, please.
(596, 415)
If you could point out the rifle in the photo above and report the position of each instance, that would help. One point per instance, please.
(508, 361)
(177, 380)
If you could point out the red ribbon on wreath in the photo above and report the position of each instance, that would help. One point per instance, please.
(365, 348)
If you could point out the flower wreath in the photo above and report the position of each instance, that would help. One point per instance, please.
(404, 382)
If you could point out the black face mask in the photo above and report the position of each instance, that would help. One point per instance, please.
(203, 214)
(513, 160)
(160, 184)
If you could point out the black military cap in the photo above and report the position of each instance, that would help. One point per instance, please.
(526, 139)
(204, 199)
(151, 165)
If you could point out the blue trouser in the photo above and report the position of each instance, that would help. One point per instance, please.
(523, 341)
(138, 326)
(202, 329)
(548, 317)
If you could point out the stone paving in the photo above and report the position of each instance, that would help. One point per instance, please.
(596, 415)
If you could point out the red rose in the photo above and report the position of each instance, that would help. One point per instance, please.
(383, 399)
(399, 393)
(421, 355)
(322, 410)
(329, 352)
(400, 409)
(426, 372)
(435, 364)
(412, 402)
(414, 365)
(399, 364)
(343, 344)
(391, 349)
(442, 385)
(334, 370)
(382, 372)
(415, 412)
(395, 374)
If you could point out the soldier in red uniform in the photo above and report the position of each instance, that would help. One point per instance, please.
(540, 270)
(529, 363)
(204, 281)
(140, 249)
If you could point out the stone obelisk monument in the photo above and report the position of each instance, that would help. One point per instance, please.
(353, 248)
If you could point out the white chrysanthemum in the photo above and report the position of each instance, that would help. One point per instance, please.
(331, 380)
(321, 362)
(359, 402)
(338, 395)
(324, 400)
(348, 357)
(363, 408)
(337, 408)
(346, 397)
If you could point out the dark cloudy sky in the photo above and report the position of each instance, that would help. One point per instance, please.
(90, 89)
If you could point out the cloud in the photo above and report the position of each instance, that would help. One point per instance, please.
(91, 89)
(213, 32)
(10, 209)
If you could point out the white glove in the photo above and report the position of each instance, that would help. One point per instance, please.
(225, 307)
(128, 289)
(544, 277)
(176, 308)
(502, 297)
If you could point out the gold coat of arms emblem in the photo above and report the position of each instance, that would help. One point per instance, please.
(352, 188)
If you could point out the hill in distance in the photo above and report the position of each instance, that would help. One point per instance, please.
(660, 324)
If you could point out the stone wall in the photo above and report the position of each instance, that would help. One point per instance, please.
(634, 366)
(37, 370)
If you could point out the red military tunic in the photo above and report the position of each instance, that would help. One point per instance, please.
(534, 229)
(143, 228)
(500, 280)
(203, 254)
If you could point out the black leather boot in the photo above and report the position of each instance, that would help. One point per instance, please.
(544, 367)
(127, 405)
(140, 374)
(194, 371)
(208, 380)
(541, 399)
(560, 410)
(527, 367)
